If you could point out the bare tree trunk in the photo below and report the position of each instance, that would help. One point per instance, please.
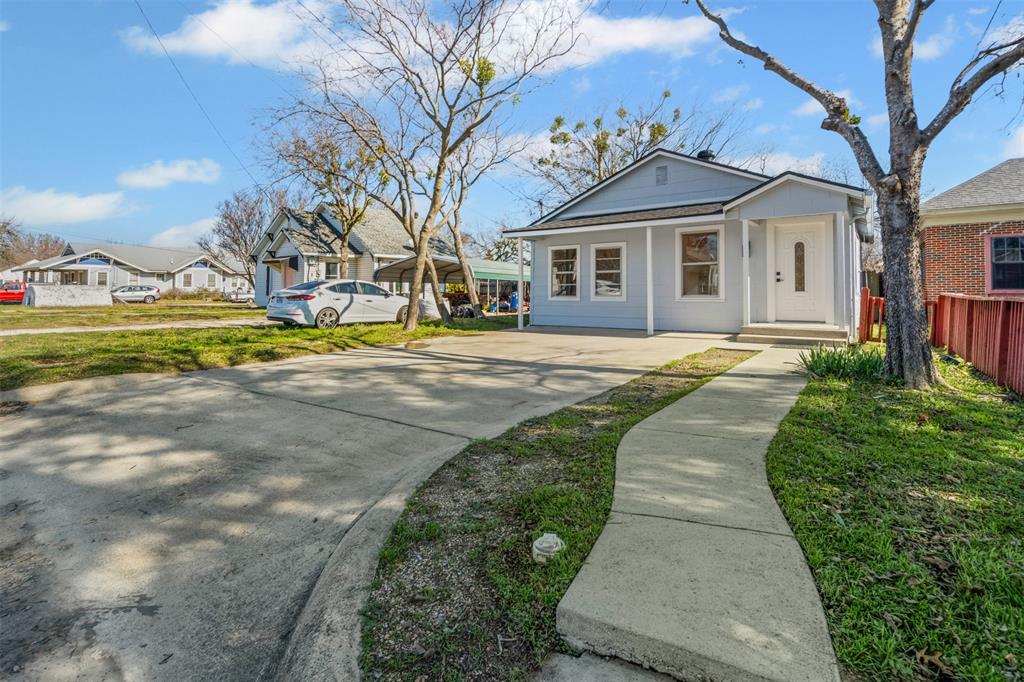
(416, 288)
(908, 353)
(343, 258)
(467, 273)
(438, 296)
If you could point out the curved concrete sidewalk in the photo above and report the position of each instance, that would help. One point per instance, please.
(697, 573)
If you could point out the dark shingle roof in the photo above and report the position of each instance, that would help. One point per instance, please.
(379, 233)
(997, 186)
(627, 217)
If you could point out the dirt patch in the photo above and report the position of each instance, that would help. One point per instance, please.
(456, 594)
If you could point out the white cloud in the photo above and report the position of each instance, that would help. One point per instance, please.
(937, 44)
(977, 10)
(765, 128)
(183, 235)
(812, 108)
(50, 207)
(161, 174)
(240, 31)
(581, 85)
(1011, 30)
(4, 26)
(932, 47)
(774, 163)
(1014, 147)
(282, 33)
(753, 104)
(730, 94)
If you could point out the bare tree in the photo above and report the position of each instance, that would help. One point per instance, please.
(338, 168)
(415, 80)
(898, 188)
(241, 221)
(18, 245)
(586, 152)
(493, 246)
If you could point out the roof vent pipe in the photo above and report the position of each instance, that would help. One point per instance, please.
(706, 155)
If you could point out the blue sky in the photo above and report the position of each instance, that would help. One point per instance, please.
(99, 140)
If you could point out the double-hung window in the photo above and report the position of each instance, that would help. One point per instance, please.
(608, 272)
(1006, 266)
(699, 263)
(564, 268)
(186, 280)
(211, 280)
(331, 270)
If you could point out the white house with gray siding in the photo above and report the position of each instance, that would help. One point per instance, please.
(681, 243)
(299, 246)
(114, 265)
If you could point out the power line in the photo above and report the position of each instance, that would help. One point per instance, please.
(199, 104)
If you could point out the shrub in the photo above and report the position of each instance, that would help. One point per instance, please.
(851, 362)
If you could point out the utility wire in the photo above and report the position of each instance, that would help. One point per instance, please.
(199, 104)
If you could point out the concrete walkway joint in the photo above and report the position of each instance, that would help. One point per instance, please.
(697, 574)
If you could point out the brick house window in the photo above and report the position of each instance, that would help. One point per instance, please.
(1005, 263)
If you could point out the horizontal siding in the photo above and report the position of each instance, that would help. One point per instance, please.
(687, 183)
(791, 199)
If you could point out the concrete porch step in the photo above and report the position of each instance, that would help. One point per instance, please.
(789, 340)
(796, 330)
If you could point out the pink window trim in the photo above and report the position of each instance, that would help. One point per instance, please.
(988, 267)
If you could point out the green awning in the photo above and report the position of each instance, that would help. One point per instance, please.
(450, 272)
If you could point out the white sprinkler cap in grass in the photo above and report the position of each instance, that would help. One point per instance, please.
(547, 546)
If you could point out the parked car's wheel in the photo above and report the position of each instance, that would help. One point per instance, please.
(327, 318)
(148, 299)
(403, 313)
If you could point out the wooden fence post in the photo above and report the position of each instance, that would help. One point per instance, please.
(1002, 344)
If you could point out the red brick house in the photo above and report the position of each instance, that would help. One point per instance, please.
(973, 237)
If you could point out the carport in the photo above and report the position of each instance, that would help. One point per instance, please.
(491, 277)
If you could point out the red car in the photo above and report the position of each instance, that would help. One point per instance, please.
(12, 292)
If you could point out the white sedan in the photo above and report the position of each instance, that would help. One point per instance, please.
(328, 303)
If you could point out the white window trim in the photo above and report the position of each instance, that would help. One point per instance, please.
(622, 271)
(721, 263)
(551, 272)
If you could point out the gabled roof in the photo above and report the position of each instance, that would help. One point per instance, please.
(793, 176)
(143, 258)
(999, 186)
(379, 233)
(685, 211)
(659, 152)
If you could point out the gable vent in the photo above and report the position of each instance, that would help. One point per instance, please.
(661, 175)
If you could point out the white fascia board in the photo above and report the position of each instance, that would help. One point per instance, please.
(782, 179)
(660, 153)
(973, 209)
(661, 222)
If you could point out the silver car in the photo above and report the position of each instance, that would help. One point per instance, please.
(136, 293)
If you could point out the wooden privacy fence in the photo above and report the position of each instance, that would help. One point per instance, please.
(872, 316)
(987, 332)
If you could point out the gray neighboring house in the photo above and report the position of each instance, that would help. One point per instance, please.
(114, 265)
(299, 246)
(675, 242)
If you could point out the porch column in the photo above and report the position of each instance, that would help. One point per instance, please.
(650, 284)
(745, 254)
(519, 284)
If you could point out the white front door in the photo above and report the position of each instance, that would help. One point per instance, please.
(802, 255)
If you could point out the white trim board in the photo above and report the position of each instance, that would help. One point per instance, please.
(678, 294)
(622, 272)
(710, 219)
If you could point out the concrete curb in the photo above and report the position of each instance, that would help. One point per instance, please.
(325, 642)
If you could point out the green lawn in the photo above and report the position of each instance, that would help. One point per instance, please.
(47, 358)
(24, 317)
(910, 508)
(457, 595)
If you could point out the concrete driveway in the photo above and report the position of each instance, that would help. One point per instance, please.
(174, 527)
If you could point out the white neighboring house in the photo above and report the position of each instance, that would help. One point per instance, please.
(114, 265)
(300, 246)
(9, 275)
(682, 243)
